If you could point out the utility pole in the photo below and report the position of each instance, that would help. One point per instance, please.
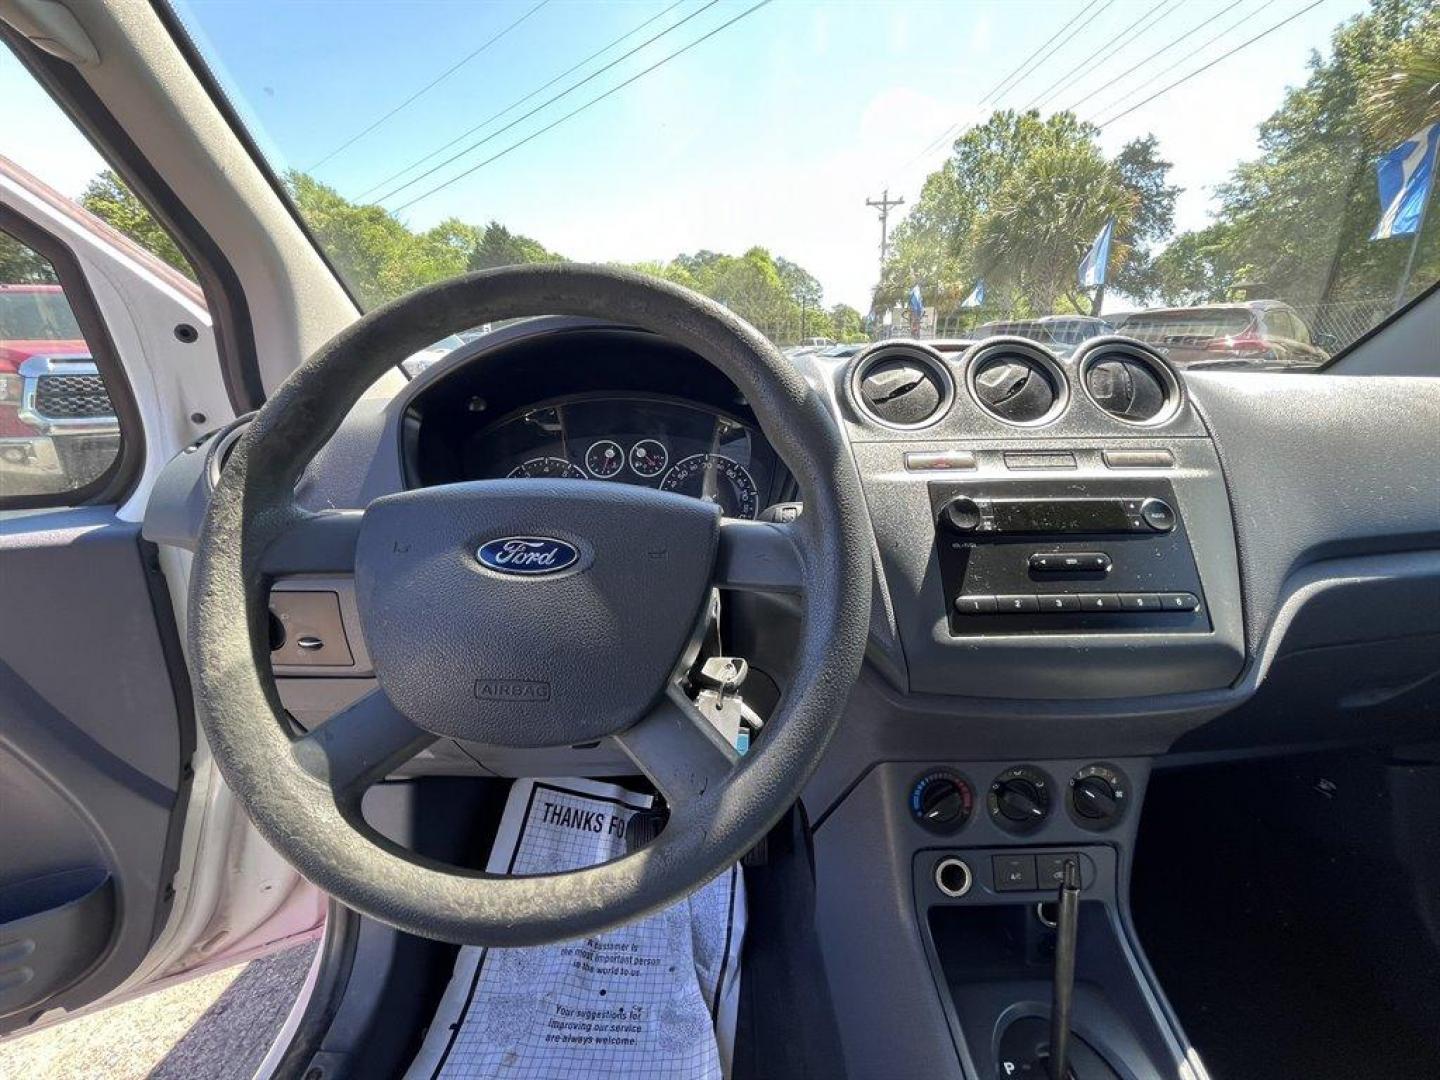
(884, 204)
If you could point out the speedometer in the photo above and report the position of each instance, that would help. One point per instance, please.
(548, 467)
(718, 478)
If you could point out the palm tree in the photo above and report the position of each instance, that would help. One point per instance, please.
(1405, 99)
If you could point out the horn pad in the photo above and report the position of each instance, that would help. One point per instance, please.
(530, 612)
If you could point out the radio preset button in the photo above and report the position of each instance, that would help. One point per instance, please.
(975, 604)
(1059, 602)
(1017, 603)
(1139, 601)
(1099, 602)
(1179, 601)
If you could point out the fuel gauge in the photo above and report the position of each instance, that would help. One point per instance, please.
(648, 458)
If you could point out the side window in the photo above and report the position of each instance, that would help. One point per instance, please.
(59, 435)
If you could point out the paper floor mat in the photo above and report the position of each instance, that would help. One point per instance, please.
(653, 1000)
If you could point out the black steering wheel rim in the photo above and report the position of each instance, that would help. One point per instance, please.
(289, 783)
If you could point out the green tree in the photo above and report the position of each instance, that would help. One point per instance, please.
(498, 246)
(19, 265)
(762, 289)
(1298, 217)
(1144, 174)
(1016, 204)
(107, 197)
(847, 323)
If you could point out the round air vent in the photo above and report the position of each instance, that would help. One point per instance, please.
(1129, 383)
(1016, 384)
(901, 387)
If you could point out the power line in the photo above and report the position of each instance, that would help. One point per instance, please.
(1158, 52)
(593, 101)
(954, 128)
(428, 86)
(520, 101)
(1056, 48)
(1075, 74)
(538, 108)
(1195, 52)
(1006, 83)
(1212, 63)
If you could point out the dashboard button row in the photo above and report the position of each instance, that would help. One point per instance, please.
(1035, 603)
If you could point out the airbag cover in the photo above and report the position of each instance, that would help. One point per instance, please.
(527, 659)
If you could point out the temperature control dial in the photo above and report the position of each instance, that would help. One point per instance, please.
(1019, 799)
(942, 801)
(1098, 797)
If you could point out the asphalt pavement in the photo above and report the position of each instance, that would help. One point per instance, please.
(218, 1026)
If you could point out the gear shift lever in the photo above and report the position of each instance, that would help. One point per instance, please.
(1067, 925)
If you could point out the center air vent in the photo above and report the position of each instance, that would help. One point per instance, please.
(1017, 385)
(1130, 384)
(901, 386)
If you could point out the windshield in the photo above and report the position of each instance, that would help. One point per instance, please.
(851, 172)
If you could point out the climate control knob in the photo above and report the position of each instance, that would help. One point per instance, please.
(941, 801)
(1098, 796)
(1019, 799)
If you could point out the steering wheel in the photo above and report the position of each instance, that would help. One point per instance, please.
(580, 632)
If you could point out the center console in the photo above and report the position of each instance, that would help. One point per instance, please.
(978, 851)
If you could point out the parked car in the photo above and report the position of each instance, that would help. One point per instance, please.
(1062, 334)
(56, 419)
(1257, 334)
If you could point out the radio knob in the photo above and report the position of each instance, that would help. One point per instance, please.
(1157, 514)
(961, 514)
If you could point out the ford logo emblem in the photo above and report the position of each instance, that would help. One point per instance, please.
(530, 555)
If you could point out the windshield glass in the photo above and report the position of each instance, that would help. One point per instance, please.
(850, 172)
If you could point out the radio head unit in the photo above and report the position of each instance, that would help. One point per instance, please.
(1057, 557)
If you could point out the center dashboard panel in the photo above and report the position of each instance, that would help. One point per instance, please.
(1048, 528)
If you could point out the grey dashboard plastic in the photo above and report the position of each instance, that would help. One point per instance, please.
(1278, 473)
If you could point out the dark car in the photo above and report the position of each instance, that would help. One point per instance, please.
(1257, 334)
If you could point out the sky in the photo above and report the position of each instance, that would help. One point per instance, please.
(774, 131)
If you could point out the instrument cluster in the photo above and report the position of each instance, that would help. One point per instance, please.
(659, 442)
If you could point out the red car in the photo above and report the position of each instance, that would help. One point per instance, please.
(54, 412)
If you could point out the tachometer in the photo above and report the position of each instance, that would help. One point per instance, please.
(648, 458)
(554, 468)
(604, 459)
(717, 478)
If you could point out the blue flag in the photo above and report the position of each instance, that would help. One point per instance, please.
(1097, 260)
(916, 304)
(1405, 176)
(977, 296)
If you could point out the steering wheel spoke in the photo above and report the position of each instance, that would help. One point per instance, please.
(314, 543)
(678, 749)
(359, 745)
(759, 556)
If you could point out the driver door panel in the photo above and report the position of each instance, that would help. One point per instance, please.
(95, 740)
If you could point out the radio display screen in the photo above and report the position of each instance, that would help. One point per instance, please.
(1061, 516)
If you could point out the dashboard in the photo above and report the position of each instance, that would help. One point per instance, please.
(984, 467)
